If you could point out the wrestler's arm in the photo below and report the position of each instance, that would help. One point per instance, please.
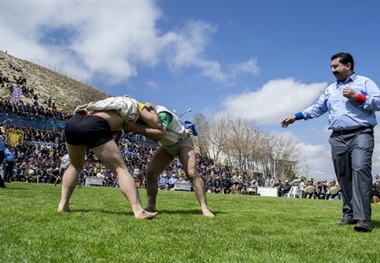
(150, 116)
(155, 134)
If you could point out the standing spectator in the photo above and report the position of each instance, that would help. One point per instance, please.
(269, 181)
(2, 155)
(8, 163)
(351, 102)
(302, 188)
(65, 162)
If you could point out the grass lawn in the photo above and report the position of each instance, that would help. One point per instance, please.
(101, 228)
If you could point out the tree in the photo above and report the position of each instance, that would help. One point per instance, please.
(285, 155)
(219, 134)
(238, 144)
(202, 141)
(244, 146)
(262, 150)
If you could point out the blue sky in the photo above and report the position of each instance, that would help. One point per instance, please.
(261, 60)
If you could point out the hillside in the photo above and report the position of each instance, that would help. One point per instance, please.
(47, 83)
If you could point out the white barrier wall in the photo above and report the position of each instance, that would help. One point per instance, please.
(267, 191)
(94, 181)
(182, 186)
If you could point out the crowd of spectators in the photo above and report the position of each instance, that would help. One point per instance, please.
(37, 158)
(31, 111)
(39, 109)
(301, 188)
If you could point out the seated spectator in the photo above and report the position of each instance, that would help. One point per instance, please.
(310, 190)
(255, 186)
(284, 188)
(30, 175)
(235, 188)
(320, 192)
(216, 186)
(333, 191)
(163, 183)
(173, 179)
(227, 185)
(376, 192)
(137, 174)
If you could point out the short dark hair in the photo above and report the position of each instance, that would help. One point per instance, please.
(344, 59)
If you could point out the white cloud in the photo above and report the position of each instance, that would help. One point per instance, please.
(152, 85)
(318, 160)
(106, 39)
(250, 67)
(97, 37)
(187, 49)
(274, 101)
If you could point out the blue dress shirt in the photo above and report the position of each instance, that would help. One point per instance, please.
(2, 145)
(9, 156)
(345, 114)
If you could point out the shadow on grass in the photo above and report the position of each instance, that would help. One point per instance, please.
(375, 224)
(8, 188)
(186, 212)
(160, 212)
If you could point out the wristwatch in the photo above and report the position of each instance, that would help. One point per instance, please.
(150, 108)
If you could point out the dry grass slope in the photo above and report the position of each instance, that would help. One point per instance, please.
(47, 83)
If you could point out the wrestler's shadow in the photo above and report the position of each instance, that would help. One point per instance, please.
(173, 212)
(186, 212)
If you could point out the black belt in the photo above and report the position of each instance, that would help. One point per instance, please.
(345, 132)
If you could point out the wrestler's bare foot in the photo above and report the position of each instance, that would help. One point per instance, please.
(63, 208)
(207, 213)
(146, 215)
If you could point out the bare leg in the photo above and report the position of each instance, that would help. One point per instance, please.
(70, 177)
(187, 157)
(157, 165)
(57, 180)
(59, 177)
(110, 155)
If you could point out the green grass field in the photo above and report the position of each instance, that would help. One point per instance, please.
(101, 228)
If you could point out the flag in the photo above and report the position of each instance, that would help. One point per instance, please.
(16, 95)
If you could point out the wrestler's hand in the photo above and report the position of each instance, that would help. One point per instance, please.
(349, 93)
(149, 104)
(288, 120)
(129, 126)
(188, 132)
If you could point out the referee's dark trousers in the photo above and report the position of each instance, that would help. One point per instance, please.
(352, 159)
